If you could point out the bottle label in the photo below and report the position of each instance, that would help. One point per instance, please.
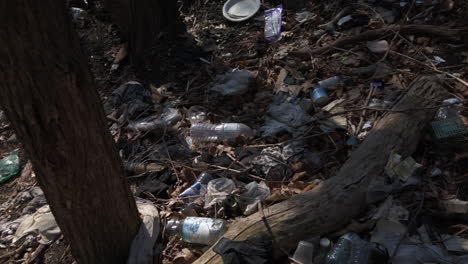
(197, 230)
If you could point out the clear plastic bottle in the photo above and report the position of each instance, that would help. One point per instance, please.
(201, 132)
(197, 230)
(350, 249)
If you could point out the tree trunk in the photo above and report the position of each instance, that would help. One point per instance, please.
(359, 182)
(141, 21)
(49, 96)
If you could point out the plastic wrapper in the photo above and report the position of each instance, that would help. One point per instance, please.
(273, 23)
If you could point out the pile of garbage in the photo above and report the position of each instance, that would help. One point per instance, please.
(271, 124)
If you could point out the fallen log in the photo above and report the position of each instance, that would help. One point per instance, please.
(451, 34)
(335, 202)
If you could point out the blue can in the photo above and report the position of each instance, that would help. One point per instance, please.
(319, 96)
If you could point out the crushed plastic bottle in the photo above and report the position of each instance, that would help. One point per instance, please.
(350, 249)
(155, 127)
(198, 188)
(201, 132)
(197, 230)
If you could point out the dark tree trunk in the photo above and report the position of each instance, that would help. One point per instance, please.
(142, 21)
(49, 96)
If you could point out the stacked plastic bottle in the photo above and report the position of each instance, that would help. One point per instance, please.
(197, 230)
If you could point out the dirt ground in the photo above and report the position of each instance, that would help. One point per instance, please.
(184, 69)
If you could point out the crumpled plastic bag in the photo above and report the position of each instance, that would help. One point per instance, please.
(232, 83)
(41, 223)
(9, 167)
(218, 190)
(254, 193)
(131, 97)
(142, 249)
(290, 116)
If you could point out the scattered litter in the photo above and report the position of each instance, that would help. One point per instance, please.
(378, 46)
(273, 23)
(9, 167)
(232, 83)
(41, 223)
(197, 230)
(240, 10)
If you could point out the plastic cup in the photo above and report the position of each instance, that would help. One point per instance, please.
(319, 96)
(304, 253)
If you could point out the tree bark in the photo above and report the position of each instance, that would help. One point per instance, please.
(49, 96)
(141, 21)
(336, 201)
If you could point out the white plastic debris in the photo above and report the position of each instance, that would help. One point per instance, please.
(232, 83)
(438, 60)
(344, 20)
(378, 46)
(304, 16)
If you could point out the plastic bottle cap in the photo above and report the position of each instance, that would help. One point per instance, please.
(325, 242)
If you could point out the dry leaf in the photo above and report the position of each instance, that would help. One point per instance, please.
(185, 256)
(309, 187)
(298, 176)
(123, 51)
